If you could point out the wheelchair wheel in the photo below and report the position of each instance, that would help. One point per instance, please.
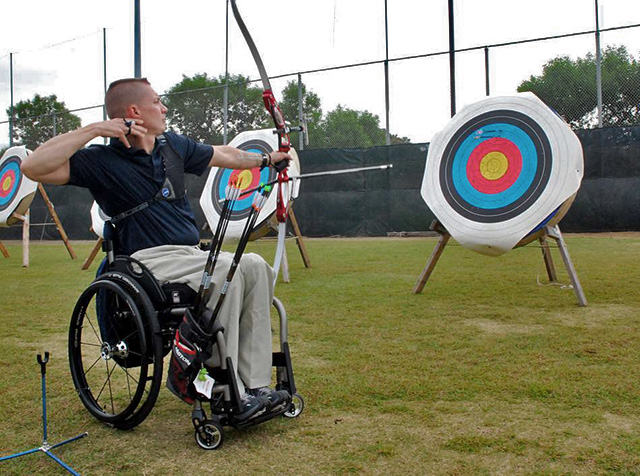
(209, 435)
(116, 363)
(297, 405)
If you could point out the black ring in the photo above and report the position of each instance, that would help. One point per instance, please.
(128, 124)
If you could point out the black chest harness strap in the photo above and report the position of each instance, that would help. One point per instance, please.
(172, 188)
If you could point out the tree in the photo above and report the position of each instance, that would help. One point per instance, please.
(345, 127)
(39, 119)
(569, 87)
(196, 107)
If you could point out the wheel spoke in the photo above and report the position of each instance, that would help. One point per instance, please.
(90, 321)
(115, 322)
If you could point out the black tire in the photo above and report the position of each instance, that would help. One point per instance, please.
(297, 405)
(210, 435)
(116, 364)
(155, 349)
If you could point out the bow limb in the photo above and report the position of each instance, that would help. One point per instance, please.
(252, 46)
(282, 130)
(280, 250)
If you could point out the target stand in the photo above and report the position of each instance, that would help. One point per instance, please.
(98, 217)
(297, 235)
(16, 195)
(548, 232)
(213, 195)
(500, 175)
(26, 225)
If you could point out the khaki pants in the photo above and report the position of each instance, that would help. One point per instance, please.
(246, 309)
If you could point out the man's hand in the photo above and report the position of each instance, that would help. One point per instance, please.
(280, 160)
(122, 128)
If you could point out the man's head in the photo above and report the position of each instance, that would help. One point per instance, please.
(134, 98)
(121, 94)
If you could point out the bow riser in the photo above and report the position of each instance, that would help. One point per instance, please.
(270, 103)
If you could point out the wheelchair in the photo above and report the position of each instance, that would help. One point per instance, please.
(121, 330)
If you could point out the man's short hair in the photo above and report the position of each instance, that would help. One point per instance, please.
(121, 94)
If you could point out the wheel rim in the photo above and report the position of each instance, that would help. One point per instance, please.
(109, 371)
(297, 405)
(209, 436)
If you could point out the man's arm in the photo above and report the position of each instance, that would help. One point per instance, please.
(49, 163)
(231, 158)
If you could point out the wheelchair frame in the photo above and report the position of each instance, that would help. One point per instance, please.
(117, 367)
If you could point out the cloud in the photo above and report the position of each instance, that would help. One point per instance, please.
(24, 78)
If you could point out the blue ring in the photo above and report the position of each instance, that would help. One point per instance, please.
(11, 164)
(491, 124)
(502, 199)
(242, 203)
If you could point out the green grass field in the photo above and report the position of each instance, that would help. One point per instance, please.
(488, 371)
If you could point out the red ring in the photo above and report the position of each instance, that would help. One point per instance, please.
(255, 176)
(12, 175)
(514, 158)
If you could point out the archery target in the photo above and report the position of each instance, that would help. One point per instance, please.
(500, 170)
(214, 193)
(98, 219)
(16, 190)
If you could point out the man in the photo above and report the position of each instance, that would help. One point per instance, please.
(131, 171)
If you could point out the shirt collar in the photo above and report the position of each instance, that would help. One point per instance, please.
(130, 151)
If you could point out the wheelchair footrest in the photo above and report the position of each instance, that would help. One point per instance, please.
(257, 420)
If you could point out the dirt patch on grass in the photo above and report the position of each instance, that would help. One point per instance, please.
(596, 315)
(501, 328)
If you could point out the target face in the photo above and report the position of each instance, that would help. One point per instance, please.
(500, 170)
(10, 179)
(247, 179)
(495, 166)
(16, 190)
(214, 193)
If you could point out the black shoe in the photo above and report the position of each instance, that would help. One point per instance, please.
(251, 407)
(278, 399)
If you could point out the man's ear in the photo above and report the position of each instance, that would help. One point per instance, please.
(133, 111)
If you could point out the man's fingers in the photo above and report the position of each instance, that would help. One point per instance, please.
(125, 141)
(138, 130)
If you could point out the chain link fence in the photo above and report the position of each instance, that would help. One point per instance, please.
(598, 88)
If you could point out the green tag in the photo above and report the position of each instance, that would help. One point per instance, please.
(202, 374)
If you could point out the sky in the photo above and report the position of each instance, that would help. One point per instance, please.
(57, 48)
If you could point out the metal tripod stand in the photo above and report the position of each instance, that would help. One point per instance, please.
(46, 447)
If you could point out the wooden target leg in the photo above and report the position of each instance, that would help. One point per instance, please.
(548, 260)
(554, 232)
(54, 215)
(92, 255)
(25, 240)
(4, 251)
(433, 260)
(299, 240)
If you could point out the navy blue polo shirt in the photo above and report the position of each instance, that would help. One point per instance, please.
(120, 179)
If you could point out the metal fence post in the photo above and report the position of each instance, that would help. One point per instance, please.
(452, 59)
(137, 53)
(598, 68)
(225, 92)
(104, 77)
(386, 76)
(11, 107)
(300, 114)
(486, 71)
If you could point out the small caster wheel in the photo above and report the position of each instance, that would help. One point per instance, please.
(209, 435)
(297, 405)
